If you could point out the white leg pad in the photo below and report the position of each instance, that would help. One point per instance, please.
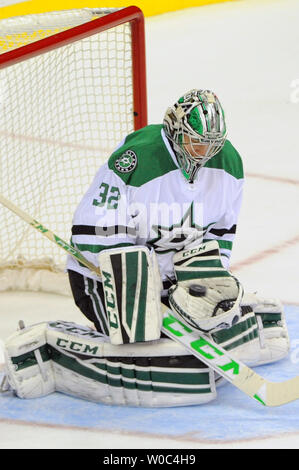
(273, 341)
(142, 374)
(81, 362)
(27, 366)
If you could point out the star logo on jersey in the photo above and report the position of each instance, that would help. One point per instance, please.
(179, 235)
(126, 162)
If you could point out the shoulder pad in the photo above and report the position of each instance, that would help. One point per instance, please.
(142, 157)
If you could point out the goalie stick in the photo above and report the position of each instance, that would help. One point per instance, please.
(225, 364)
(201, 346)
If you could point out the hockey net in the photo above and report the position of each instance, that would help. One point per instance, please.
(72, 86)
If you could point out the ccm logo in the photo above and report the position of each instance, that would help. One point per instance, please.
(194, 251)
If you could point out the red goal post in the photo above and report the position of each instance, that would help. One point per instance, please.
(59, 123)
(132, 15)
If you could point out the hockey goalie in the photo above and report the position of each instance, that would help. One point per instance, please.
(159, 220)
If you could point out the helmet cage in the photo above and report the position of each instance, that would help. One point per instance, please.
(195, 147)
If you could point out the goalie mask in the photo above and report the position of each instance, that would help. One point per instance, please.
(195, 125)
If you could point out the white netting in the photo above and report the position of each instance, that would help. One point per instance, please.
(62, 113)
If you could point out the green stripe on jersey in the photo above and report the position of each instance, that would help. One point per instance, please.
(98, 248)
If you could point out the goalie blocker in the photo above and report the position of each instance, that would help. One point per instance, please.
(125, 305)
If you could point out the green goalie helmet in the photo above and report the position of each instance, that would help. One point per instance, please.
(195, 125)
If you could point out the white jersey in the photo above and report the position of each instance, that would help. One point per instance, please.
(140, 197)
